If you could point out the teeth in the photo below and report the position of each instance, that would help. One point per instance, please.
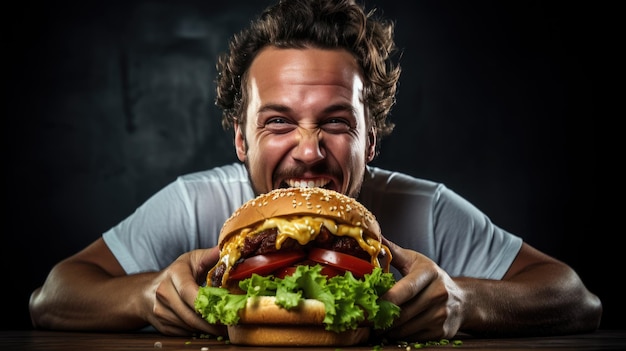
(318, 183)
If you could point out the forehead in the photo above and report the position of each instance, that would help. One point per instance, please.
(304, 67)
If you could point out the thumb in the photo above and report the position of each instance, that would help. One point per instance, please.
(204, 260)
(401, 258)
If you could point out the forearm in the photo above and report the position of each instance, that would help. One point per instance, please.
(544, 300)
(80, 296)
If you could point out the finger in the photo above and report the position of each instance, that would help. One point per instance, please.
(193, 270)
(177, 286)
(213, 329)
(168, 320)
(190, 316)
(177, 318)
(426, 307)
(401, 257)
(202, 261)
(199, 262)
(174, 330)
(415, 330)
(415, 272)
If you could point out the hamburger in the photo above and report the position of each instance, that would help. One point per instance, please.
(299, 267)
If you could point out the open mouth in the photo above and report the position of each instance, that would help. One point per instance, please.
(307, 183)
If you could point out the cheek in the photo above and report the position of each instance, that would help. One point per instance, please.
(276, 142)
(268, 149)
(275, 145)
(346, 151)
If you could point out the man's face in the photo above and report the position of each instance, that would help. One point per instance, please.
(305, 121)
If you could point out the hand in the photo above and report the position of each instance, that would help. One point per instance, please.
(431, 302)
(173, 293)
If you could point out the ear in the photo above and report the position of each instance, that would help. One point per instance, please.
(240, 142)
(371, 145)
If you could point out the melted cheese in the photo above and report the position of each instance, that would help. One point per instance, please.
(303, 229)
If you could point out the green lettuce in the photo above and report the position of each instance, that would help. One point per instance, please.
(348, 301)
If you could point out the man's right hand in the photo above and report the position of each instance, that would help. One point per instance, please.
(91, 291)
(173, 293)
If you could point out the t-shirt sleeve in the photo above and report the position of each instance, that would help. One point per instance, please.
(429, 218)
(467, 242)
(186, 214)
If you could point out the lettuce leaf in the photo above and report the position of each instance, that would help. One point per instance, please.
(218, 305)
(348, 301)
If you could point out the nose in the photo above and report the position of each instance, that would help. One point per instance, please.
(308, 148)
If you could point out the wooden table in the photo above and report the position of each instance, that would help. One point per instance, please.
(51, 340)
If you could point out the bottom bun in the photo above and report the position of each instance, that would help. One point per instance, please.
(263, 323)
(284, 335)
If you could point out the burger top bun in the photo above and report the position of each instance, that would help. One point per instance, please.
(302, 201)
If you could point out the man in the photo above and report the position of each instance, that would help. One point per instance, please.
(307, 89)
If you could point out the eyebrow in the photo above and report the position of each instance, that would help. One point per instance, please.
(328, 109)
(274, 107)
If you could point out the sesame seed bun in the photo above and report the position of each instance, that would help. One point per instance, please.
(301, 201)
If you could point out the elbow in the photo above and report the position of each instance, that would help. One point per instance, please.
(585, 308)
(585, 311)
(34, 308)
(41, 312)
(579, 310)
(593, 312)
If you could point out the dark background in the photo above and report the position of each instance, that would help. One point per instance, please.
(105, 102)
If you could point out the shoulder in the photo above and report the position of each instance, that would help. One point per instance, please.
(378, 180)
(225, 186)
(389, 194)
(381, 186)
(235, 172)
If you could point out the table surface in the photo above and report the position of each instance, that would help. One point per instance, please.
(53, 340)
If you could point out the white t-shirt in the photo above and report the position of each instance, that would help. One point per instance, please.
(414, 213)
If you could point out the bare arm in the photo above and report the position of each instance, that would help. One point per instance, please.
(539, 295)
(91, 291)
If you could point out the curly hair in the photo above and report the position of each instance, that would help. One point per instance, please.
(325, 24)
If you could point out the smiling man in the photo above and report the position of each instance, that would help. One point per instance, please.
(306, 123)
(307, 89)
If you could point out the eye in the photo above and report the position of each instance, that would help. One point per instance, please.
(279, 125)
(336, 125)
(276, 120)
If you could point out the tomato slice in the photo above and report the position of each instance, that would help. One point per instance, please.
(326, 270)
(346, 262)
(265, 264)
